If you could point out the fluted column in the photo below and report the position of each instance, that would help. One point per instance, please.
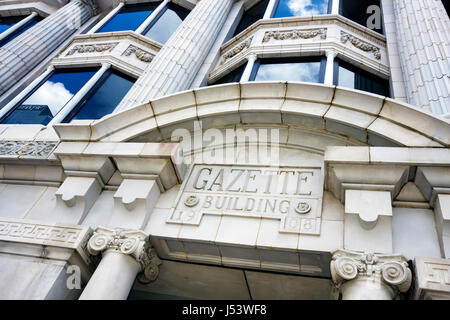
(125, 255)
(368, 276)
(19, 56)
(178, 62)
(424, 49)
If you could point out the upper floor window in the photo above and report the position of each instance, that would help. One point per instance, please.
(103, 98)
(129, 17)
(364, 12)
(166, 23)
(45, 101)
(233, 76)
(155, 20)
(68, 94)
(289, 69)
(251, 15)
(13, 26)
(349, 76)
(300, 8)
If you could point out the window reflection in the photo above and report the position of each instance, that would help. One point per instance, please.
(300, 8)
(5, 24)
(104, 99)
(171, 17)
(130, 17)
(357, 11)
(8, 22)
(306, 71)
(251, 15)
(349, 76)
(233, 76)
(45, 102)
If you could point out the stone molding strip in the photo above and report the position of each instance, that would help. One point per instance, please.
(139, 53)
(88, 48)
(27, 149)
(360, 44)
(238, 49)
(295, 34)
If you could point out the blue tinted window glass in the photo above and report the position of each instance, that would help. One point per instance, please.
(130, 17)
(352, 77)
(27, 26)
(7, 22)
(233, 76)
(49, 98)
(105, 99)
(167, 23)
(300, 8)
(291, 71)
(251, 15)
(357, 11)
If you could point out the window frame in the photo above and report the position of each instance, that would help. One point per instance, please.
(321, 59)
(73, 112)
(33, 21)
(347, 65)
(275, 8)
(383, 30)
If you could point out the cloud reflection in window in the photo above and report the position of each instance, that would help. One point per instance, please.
(54, 95)
(303, 71)
(300, 8)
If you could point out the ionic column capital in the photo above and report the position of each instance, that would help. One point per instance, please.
(92, 5)
(128, 242)
(390, 270)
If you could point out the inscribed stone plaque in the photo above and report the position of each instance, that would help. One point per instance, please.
(292, 195)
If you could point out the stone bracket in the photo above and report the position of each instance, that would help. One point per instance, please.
(432, 279)
(368, 205)
(442, 214)
(134, 198)
(75, 198)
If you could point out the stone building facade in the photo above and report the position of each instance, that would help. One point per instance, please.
(224, 149)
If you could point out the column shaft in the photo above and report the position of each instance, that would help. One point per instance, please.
(17, 26)
(424, 50)
(178, 62)
(113, 278)
(21, 55)
(329, 70)
(248, 68)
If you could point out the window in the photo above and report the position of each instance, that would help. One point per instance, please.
(103, 98)
(359, 12)
(8, 22)
(166, 23)
(251, 15)
(446, 4)
(43, 103)
(130, 17)
(349, 76)
(288, 69)
(300, 8)
(233, 76)
(166, 20)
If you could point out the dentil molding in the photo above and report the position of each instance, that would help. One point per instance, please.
(129, 242)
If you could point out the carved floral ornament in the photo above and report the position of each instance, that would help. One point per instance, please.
(33, 149)
(295, 34)
(129, 242)
(139, 53)
(239, 48)
(89, 48)
(360, 44)
(391, 269)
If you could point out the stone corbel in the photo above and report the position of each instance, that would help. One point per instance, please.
(368, 205)
(442, 213)
(128, 242)
(368, 276)
(86, 177)
(137, 198)
(75, 198)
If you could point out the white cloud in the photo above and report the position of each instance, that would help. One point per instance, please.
(307, 72)
(307, 7)
(54, 95)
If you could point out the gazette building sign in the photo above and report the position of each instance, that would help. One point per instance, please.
(291, 195)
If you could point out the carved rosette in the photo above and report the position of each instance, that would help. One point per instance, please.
(295, 34)
(360, 44)
(392, 270)
(129, 242)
